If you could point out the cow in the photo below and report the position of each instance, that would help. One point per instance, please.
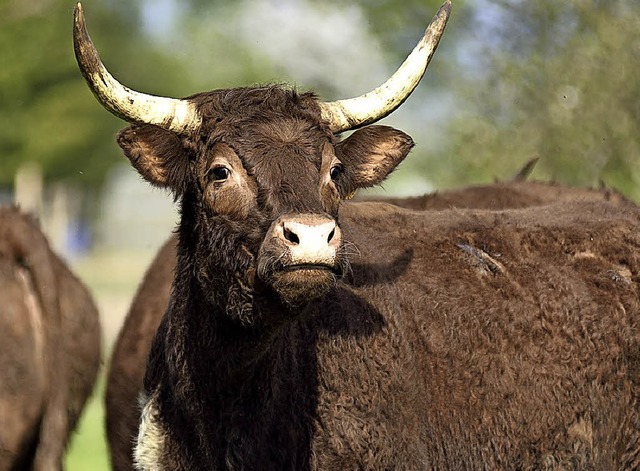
(506, 195)
(49, 347)
(304, 333)
(517, 192)
(131, 349)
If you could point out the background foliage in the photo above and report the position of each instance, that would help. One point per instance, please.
(47, 113)
(513, 79)
(559, 80)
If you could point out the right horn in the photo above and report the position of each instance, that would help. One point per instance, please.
(169, 113)
(352, 113)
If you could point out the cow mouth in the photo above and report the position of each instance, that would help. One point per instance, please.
(299, 283)
(311, 266)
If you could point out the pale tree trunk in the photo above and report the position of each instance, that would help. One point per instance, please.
(58, 219)
(28, 189)
(56, 209)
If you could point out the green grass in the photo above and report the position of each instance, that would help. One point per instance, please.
(88, 448)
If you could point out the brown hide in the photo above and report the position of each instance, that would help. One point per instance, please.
(50, 347)
(502, 195)
(127, 366)
(516, 331)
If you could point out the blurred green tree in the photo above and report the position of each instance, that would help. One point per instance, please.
(554, 79)
(47, 114)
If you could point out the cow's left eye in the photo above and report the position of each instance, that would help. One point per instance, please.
(219, 173)
(335, 171)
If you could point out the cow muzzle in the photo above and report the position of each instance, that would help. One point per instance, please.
(300, 256)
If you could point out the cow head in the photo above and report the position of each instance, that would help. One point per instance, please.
(260, 172)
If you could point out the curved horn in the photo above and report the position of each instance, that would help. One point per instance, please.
(352, 113)
(169, 113)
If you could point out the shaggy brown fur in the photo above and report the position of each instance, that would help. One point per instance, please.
(452, 340)
(128, 361)
(50, 347)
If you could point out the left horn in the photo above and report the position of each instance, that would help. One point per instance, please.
(352, 113)
(169, 113)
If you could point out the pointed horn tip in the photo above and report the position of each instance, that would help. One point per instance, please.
(439, 22)
(77, 11)
(80, 34)
(445, 10)
(78, 17)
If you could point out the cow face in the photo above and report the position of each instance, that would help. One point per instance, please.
(263, 182)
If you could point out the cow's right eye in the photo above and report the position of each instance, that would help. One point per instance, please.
(219, 173)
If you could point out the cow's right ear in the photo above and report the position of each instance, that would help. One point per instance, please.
(157, 154)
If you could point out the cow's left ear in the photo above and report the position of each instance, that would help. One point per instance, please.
(369, 155)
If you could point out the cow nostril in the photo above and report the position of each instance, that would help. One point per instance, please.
(331, 234)
(291, 236)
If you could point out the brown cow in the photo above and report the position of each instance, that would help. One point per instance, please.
(507, 195)
(130, 352)
(50, 347)
(306, 334)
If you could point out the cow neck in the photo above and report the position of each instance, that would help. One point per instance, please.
(249, 392)
(245, 336)
(212, 280)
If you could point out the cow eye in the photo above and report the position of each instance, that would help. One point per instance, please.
(335, 171)
(219, 173)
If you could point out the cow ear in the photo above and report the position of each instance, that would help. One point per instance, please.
(157, 154)
(369, 155)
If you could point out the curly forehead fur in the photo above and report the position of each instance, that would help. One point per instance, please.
(263, 123)
(224, 109)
